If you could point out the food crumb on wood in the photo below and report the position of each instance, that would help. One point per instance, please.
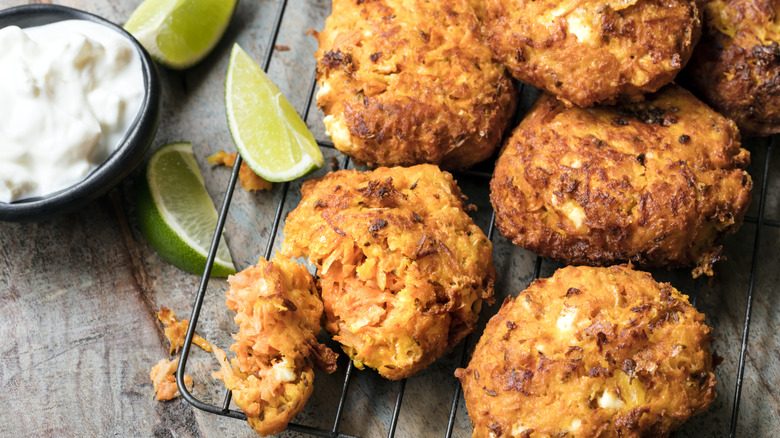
(176, 330)
(164, 379)
(249, 179)
(163, 374)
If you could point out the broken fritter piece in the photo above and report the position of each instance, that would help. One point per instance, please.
(249, 179)
(590, 352)
(163, 377)
(402, 268)
(278, 312)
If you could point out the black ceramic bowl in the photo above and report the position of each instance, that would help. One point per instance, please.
(125, 157)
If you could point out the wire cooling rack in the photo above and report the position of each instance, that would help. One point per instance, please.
(485, 176)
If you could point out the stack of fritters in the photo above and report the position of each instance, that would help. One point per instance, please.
(402, 268)
(278, 312)
(405, 82)
(591, 51)
(590, 352)
(736, 67)
(654, 183)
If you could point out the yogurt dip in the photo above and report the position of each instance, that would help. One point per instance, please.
(69, 91)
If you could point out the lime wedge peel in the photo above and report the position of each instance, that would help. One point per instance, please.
(267, 131)
(176, 214)
(180, 33)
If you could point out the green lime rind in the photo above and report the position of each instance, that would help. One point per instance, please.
(165, 229)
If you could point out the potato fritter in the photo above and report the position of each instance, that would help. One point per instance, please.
(590, 352)
(654, 183)
(736, 67)
(588, 51)
(278, 312)
(405, 82)
(403, 269)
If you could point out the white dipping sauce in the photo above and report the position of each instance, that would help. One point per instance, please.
(68, 93)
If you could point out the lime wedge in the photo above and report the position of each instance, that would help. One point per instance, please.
(176, 214)
(179, 33)
(268, 132)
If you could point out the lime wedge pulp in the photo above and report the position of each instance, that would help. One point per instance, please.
(179, 33)
(176, 213)
(269, 134)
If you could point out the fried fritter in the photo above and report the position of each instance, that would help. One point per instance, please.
(590, 352)
(655, 183)
(402, 268)
(736, 67)
(588, 51)
(278, 312)
(405, 82)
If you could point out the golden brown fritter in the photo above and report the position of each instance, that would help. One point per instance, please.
(403, 269)
(589, 51)
(654, 183)
(405, 82)
(590, 352)
(278, 312)
(736, 67)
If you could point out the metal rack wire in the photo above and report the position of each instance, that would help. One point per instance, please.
(225, 410)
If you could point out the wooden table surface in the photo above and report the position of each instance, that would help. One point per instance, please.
(78, 293)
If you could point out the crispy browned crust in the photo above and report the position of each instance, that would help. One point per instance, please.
(589, 51)
(409, 82)
(403, 269)
(654, 183)
(278, 312)
(736, 67)
(590, 352)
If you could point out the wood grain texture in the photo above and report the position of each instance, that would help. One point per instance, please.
(78, 293)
